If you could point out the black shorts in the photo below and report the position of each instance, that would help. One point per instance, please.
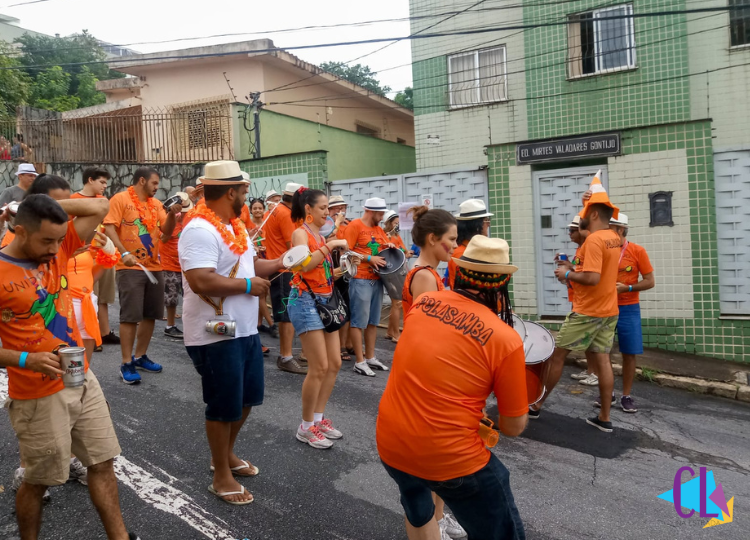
(281, 288)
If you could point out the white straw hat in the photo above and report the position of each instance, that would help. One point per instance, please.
(291, 188)
(26, 168)
(487, 255)
(621, 221)
(336, 200)
(472, 209)
(221, 173)
(375, 204)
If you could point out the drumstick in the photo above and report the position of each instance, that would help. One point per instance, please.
(264, 222)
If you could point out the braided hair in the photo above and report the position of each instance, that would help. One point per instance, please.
(493, 291)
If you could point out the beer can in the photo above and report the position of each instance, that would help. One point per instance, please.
(73, 362)
(562, 257)
(221, 328)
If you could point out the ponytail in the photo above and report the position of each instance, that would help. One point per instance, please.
(301, 198)
(426, 222)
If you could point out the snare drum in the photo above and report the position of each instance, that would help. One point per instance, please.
(538, 347)
(393, 274)
(520, 328)
(296, 258)
(169, 203)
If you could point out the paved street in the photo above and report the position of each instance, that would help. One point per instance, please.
(570, 481)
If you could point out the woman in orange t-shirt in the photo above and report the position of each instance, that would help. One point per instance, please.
(391, 227)
(314, 284)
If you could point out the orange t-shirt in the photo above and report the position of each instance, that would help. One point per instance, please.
(365, 241)
(80, 195)
(429, 415)
(599, 253)
(320, 278)
(246, 218)
(37, 315)
(279, 229)
(634, 261)
(81, 284)
(407, 297)
(170, 260)
(8, 238)
(452, 266)
(398, 242)
(341, 232)
(137, 240)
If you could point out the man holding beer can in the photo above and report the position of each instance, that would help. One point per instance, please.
(52, 410)
(220, 319)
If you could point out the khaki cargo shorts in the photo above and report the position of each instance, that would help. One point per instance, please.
(105, 287)
(49, 429)
(584, 333)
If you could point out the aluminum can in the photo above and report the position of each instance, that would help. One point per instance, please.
(562, 257)
(73, 362)
(221, 328)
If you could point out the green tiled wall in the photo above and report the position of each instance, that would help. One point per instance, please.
(602, 102)
(705, 334)
(430, 85)
(312, 163)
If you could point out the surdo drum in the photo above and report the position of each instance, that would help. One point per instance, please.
(393, 274)
(538, 346)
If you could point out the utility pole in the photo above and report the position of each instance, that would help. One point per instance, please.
(257, 105)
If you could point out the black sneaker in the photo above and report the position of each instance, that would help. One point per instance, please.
(98, 348)
(606, 427)
(274, 331)
(133, 536)
(533, 415)
(111, 339)
(598, 401)
(173, 332)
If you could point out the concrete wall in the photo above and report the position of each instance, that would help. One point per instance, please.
(721, 95)
(350, 155)
(463, 133)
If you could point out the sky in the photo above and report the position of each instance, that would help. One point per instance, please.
(135, 21)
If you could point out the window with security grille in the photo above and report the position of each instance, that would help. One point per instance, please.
(202, 126)
(601, 41)
(739, 23)
(478, 77)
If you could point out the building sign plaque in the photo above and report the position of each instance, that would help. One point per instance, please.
(564, 149)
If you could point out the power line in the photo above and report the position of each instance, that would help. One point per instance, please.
(24, 3)
(381, 40)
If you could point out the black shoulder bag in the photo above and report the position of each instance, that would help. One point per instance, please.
(335, 313)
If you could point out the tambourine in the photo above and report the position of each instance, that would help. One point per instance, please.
(296, 258)
(348, 266)
(327, 229)
(169, 203)
(12, 210)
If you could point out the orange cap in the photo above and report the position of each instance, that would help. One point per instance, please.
(598, 196)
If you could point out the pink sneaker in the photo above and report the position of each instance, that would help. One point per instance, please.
(313, 437)
(326, 428)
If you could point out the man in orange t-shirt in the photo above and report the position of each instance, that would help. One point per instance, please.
(365, 237)
(633, 261)
(95, 180)
(590, 327)
(38, 319)
(473, 219)
(135, 223)
(278, 230)
(170, 262)
(429, 417)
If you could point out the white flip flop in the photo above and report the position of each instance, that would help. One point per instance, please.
(255, 470)
(222, 494)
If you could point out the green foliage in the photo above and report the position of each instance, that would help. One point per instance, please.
(357, 74)
(648, 374)
(53, 83)
(406, 98)
(14, 84)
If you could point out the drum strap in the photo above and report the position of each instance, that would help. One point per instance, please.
(219, 308)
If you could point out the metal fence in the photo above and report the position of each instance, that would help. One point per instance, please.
(132, 135)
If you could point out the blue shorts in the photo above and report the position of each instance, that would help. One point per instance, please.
(481, 502)
(629, 333)
(365, 302)
(302, 311)
(232, 376)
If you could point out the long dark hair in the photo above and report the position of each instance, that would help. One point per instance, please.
(492, 291)
(468, 229)
(302, 197)
(426, 222)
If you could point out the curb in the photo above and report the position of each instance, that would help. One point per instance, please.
(737, 391)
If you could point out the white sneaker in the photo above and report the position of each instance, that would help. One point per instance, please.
(363, 369)
(78, 472)
(313, 437)
(444, 535)
(377, 364)
(591, 380)
(451, 527)
(326, 428)
(18, 480)
(580, 376)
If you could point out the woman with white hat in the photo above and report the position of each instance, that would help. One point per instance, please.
(473, 219)
(391, 227)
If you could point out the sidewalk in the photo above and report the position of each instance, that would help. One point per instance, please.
(687, 371)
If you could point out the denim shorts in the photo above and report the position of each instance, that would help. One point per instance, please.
(629, 332)
(302, 311)
(232, 376)
(365, 302)
(481, 502)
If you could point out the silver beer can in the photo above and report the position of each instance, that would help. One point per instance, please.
(73, 364)
(221, 328)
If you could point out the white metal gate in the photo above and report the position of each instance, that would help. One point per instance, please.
(557, 199)
(732, 180)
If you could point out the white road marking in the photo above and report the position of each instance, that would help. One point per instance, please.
(160, 495)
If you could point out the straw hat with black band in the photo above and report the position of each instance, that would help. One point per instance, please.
(472, 209)
(486, 255)
(223, 173)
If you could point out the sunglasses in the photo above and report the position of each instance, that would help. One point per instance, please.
(572, 230)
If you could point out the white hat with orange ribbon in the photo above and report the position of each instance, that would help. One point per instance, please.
(598, 196)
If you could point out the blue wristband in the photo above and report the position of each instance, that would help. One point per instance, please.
(566, 274)
(22, 360)
(248, 285)
(124, 254)
(369, 258)
(630, 288)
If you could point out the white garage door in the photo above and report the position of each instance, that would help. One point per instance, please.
(732, 178)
